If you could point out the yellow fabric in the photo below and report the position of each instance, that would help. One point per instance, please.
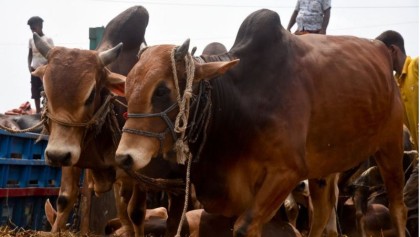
(408, 82)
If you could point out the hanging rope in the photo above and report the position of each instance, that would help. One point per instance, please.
(181, 120)
(120, 103)
(187, 194)
(181, 123)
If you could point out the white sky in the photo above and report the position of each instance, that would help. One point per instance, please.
(173, 21)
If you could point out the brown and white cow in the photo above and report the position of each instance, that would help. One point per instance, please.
(293, 108)
(84, 120)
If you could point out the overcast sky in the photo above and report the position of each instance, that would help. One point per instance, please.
(173, 21)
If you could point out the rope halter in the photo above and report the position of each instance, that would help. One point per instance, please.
(179, 127)
(160, 136)
(96, 122)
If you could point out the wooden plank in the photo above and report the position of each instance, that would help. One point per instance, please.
(95, 211)
(25, 192)
(85, 204)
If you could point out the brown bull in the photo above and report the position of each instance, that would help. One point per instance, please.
(76, 140)
(293, 108)
(82, 114)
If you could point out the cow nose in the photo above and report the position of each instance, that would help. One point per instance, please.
(58, 158)
(124, 161)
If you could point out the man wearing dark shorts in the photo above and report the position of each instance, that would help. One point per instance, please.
(36, 88)
(35, 60)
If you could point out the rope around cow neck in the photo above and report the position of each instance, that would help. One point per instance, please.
(97, 118)
(181, 122)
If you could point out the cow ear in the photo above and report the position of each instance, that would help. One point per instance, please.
(212, 69)
(50, 212)
(39, 72)
(115, 83)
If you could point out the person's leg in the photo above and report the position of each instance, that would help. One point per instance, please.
(36, 88)
(37, 105)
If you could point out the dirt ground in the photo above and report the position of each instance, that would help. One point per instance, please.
(19, 232)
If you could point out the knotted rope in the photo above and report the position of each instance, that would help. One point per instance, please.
(181, 123)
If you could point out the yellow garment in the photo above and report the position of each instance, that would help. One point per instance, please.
(408, 82)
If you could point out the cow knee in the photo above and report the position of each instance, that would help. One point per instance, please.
(62, 202)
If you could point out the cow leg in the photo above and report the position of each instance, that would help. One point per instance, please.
(324, 197)
(67, 196)
(389, 161)
(292, 209)
(274, 189)
(137, 210)
(193, 219)
(123, 191)
(175, 212)
(331, 228)
(101, 181)
(360, 200)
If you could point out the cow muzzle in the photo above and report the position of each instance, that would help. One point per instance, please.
(58, 158)
(133, 159)
(124, 161)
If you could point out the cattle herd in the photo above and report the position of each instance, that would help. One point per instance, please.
(281, 135)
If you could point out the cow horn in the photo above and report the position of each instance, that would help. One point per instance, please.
(193, 50)
(42, 46)
(182, 50)
(110, 55)
(143, 46)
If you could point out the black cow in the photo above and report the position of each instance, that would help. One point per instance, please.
(214, 48)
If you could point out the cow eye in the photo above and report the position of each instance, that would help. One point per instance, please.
(161, 91)
(161, 98)
(91, 97)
